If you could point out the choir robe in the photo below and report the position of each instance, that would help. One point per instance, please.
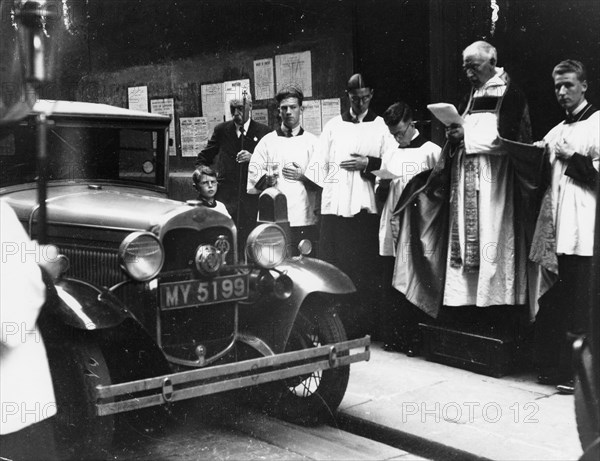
(276, 151)
(566, 221)
(404, 163)
(347, 193)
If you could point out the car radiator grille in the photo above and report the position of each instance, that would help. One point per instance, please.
(180, 246)
(211, 326)
(99, 267)
(184, 329)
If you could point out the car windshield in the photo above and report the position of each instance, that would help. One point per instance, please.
(76, 153)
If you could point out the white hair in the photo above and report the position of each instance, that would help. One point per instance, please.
(239, 100)
(481, 48)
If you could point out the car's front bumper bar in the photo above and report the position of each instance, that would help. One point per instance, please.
(133, 395)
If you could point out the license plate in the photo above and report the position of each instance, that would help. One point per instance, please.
(188, 293)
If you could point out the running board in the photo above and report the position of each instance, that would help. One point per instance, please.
(133, 395)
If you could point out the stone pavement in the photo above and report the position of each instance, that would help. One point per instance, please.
(441, 412)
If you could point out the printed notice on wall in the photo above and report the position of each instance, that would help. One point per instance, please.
(212, 122)
(194, 135)
(329, 109)
(261, 116)
(264, 80)
(234, 89)
(137, 98)
(311, 117)
(212, 100)
(166, 106)
(294, 69)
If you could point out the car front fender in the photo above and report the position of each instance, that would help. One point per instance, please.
(313, 275)
(272, 319)
(86, 307)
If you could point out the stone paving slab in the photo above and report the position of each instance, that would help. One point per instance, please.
(508, 418)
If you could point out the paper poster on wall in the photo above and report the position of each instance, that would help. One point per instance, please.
(264, 79)
(137, 98)
(194, 135)
(329, 109)
(261, 116)
(212, 122)
(234, 89)
(211, 98)
(294, 69)
(166, 106)
(311, 117)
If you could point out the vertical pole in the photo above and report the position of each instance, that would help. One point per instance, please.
(240, 181)
(42, 167)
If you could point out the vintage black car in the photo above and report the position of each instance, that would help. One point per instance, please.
(155, 304)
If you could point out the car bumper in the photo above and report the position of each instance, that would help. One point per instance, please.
(133, 395)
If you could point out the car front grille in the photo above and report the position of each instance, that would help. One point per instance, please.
(212, 326)
(182, 330)
(97, 266)
(100, 266)
(180, 246)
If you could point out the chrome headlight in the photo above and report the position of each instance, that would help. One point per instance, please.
(267, 245)
(141, 255)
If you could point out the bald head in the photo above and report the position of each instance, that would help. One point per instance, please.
(481, 49)
(479, 63)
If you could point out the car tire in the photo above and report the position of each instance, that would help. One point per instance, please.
(314, 398)
(77, 367)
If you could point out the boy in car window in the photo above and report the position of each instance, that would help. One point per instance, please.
(205, 182)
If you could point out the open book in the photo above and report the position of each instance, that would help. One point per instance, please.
(446, 113)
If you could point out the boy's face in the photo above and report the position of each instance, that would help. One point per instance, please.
(207, 186)
(290, 110)
(569, 91)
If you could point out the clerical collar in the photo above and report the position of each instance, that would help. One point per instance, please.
(246, 126)
(349, 116)
(578, 109)
(359, 117)
(582, 112)
(417, 141)
(285, 131)
(495, 86)
(497, 79)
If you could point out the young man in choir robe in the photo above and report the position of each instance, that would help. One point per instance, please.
(351, 146)
(413, 155)
(565, 231)
(286, 159)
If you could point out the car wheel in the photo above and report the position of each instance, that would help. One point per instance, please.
(77, 367)
(312, 398)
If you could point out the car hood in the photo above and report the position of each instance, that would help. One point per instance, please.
(105, 206)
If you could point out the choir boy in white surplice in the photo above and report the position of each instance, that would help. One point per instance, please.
(351, 147)
(285, 159)
(565, 230)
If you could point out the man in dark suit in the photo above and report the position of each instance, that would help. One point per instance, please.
(228, 151)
